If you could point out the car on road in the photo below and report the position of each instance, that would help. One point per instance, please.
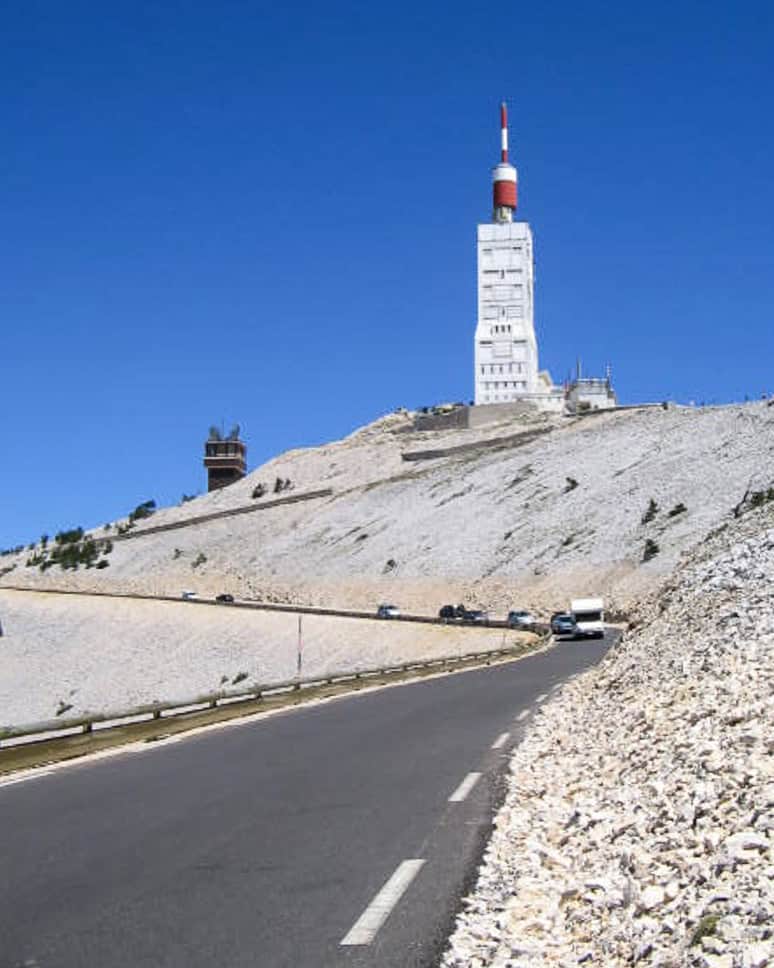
(187, 596)
(475, 616)
(448, 613)
(562, 623)
(589, 615)
(224, 598)
(388, 611)
(520, 618)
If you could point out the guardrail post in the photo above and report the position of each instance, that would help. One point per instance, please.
(157, 714)
(87, 727)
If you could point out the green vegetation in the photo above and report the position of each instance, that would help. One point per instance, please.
(757, 498)
(705, 928)
(68, 537)
(239, 677)
(570, 485)
(651, 550)
(259, 490)
(71, 549)
(143, 510)
(11, 551)
(650, 512)
(176, 554)
(677, 509)
(199, 560)
(186, 498)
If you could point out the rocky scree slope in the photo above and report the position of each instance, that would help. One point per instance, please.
(639, 823)
(530, 523)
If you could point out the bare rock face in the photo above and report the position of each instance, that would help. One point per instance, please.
(639, 825)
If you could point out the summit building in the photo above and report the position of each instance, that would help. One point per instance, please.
(506, 352)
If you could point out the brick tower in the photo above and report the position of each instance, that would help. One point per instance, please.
(224, 458)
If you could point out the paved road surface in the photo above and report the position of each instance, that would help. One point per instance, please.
(265, 843)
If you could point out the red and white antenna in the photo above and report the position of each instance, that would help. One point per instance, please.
(504, 177)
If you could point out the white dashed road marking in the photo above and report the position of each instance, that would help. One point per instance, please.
(522, 715)
(501, 740)
(464, 788)
(364, 930)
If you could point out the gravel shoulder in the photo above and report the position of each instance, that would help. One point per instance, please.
(639, 823)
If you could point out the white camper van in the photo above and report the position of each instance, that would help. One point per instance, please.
(589, 615)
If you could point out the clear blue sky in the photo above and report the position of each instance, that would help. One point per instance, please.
(266, 213)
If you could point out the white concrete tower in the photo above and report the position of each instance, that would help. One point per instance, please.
(506, 356)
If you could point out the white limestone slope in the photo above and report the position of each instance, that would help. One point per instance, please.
(639, 824)
(95, 655)
(495, 528)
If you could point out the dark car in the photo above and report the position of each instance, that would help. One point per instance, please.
(563, 623)
(447, 613)
(224, 598)
(475, 616)
(388, 611)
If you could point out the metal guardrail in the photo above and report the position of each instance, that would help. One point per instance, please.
(12, 737)
(492, 623)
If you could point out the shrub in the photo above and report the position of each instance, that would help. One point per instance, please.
(143, 510)
(176, 554)
(103, 563)
(198, 560)
(677, 509)
(186, 498)
(651, 550)
(63, 707)
(570, 485)
(705, 928)
(650, 512)
(68, 537)
(239, 677)
(757, 498)
(259, 490)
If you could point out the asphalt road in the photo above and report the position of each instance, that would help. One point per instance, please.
(263, 843)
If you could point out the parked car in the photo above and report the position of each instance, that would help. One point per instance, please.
(224, 598)
(563, 623)
(188, 595)
(388, 611)
(475, 616)
(448, 613)
(520, 618)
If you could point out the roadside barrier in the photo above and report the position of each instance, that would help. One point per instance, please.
(12, 737)
(490, 443)
(217, 515)
(492, 623)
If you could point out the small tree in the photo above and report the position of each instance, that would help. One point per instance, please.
(651, 550)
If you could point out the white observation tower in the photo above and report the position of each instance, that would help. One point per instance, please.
(506, 357)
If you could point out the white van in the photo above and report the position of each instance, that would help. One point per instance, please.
(589, 615)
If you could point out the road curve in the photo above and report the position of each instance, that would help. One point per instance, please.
(341, 834)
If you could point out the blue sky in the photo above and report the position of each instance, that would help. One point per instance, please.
(265, 214)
